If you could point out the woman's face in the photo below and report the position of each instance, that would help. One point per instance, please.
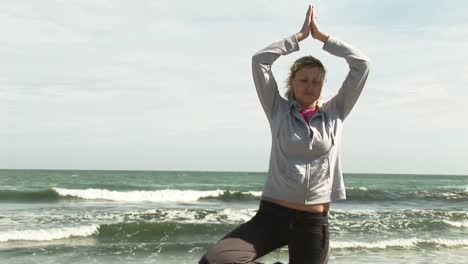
(307, 86)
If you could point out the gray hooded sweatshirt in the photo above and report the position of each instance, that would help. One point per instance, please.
(305, 164)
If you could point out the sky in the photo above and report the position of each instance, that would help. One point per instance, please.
(167, 84)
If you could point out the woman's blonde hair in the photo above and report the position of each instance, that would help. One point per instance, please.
(306, 61)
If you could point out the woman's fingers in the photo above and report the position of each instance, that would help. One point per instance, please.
(305, 27)
(308, 22)
(313, 15)
(309, 14)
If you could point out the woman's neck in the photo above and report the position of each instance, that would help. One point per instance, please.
(311, 106)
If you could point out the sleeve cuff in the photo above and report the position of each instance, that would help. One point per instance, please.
(294, 42)
(330, 44)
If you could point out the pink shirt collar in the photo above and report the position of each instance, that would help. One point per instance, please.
(308, 113)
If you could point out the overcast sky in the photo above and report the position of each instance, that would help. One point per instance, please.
(167, 84)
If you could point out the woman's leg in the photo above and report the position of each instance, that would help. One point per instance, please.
(259, 236)
(309, 240)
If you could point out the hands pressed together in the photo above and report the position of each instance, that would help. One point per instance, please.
(310, 27)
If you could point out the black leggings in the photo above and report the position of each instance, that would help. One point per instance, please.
(274, 226)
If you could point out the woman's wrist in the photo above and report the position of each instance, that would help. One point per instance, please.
(300, 36)
(322, 36)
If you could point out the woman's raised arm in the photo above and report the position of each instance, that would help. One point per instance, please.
(358, 63)
(265, 84)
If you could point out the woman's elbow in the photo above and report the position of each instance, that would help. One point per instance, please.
(364, 65)
(366, 62)
(255, 58)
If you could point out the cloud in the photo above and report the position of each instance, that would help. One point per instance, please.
(175, 76)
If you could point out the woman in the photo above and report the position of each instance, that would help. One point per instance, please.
(304, 174)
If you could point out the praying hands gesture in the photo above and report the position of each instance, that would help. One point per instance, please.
(310, 27)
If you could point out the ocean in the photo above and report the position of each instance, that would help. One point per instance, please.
(172, 217)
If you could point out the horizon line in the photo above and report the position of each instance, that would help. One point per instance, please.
(227, 171)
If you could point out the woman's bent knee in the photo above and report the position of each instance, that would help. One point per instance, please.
(229, 258)
(229, 250)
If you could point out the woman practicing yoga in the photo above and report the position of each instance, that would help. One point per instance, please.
(304, 174)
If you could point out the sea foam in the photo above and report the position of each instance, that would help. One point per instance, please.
(166, 195)
(456, 224)
(399, 243)
(197, 216)
(48, 234)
